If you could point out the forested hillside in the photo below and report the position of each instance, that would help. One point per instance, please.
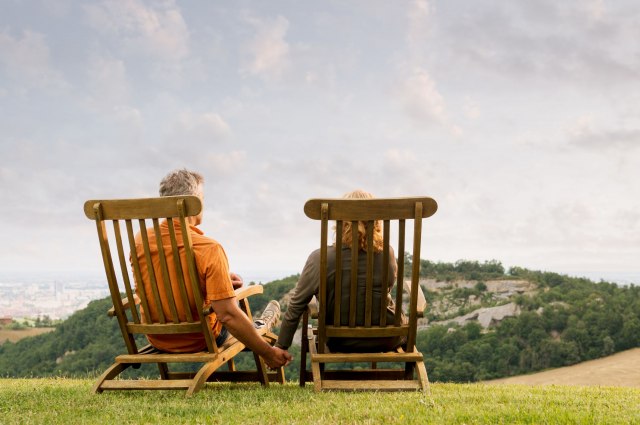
(561, 321)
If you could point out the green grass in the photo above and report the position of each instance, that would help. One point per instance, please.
(70, 401)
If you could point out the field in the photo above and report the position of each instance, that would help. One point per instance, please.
(66, 401)
(16, 335)
(621, 370)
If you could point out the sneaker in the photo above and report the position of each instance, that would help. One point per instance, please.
(270, 316)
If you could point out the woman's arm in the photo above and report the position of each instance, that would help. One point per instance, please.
(305, 289)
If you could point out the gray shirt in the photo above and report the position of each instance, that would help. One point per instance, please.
(308, 286)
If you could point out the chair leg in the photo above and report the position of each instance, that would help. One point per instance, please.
(261, 369)
(232, 365)
(423, 377)
(113, 371)
(164, 371)
(408, 370)
(315, 366)
(203, 374)
(303, 348)
(280, 378)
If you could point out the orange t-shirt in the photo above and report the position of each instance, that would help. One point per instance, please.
(213, 273)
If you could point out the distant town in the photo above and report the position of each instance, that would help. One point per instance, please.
(54, 298)
(60, 296)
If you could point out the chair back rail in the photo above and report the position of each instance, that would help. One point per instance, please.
(148, 214)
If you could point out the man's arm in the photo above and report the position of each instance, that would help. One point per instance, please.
(237, 322)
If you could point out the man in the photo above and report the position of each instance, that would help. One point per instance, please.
(216, 281)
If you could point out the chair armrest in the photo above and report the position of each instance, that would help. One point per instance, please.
(313, 308)
(247, 291)
(241, 293)
(125, 305)
(422, 301)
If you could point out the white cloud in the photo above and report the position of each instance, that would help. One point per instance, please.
(471, 109)
(199, 128)
(596, 10)
(584, 134)
(194, 140)
(108, 81)
(158, 30)
(421, 98)
(418, 14)
(268, 49)
(27, 59)
(423, 102)
(225, 163)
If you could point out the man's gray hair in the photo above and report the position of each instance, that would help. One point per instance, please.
(181, 182)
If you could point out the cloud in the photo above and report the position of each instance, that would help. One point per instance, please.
(422, 101)
(268, 49)
(199, 129)
(582, 134)
(225, 162)
(421, 98)
(573, 42)
(157, 30)
(108, 81)
(27, 59)
(471, 109)
(418, 14)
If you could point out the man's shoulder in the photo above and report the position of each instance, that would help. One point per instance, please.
(200, 238)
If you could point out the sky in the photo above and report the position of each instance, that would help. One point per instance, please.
(520, 118)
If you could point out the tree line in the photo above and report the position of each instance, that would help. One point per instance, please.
(568, 320)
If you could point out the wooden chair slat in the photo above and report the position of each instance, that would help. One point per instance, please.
(385, 272)
(364, 357)
(193, 276)
(177, 261)
(415, 275)
(324, 229)
(142, 292)
(125, 272)
(337, 318)
(165, 329)
(400, 277)
(366, 332)
(369, 279)
(166, 279)
(354, 274)
(151, 271)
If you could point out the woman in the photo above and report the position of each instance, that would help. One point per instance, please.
(308, 284)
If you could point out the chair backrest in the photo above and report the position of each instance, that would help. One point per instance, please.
(162, 297)
(368, 211)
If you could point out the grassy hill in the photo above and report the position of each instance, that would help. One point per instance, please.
(67, 401)
(620, 370)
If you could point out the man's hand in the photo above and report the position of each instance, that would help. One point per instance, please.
(236, 280)
(277, 357)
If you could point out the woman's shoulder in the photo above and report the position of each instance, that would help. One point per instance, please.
(315, 255)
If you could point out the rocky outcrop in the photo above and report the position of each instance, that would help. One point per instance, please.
(487, 317)
(501, 289)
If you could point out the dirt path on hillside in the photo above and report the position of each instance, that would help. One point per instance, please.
(16, 335)
(620, 370)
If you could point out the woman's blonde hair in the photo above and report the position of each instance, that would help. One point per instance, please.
(378, 240)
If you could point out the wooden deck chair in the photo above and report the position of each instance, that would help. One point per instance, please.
(149, 212)
(412, 374)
